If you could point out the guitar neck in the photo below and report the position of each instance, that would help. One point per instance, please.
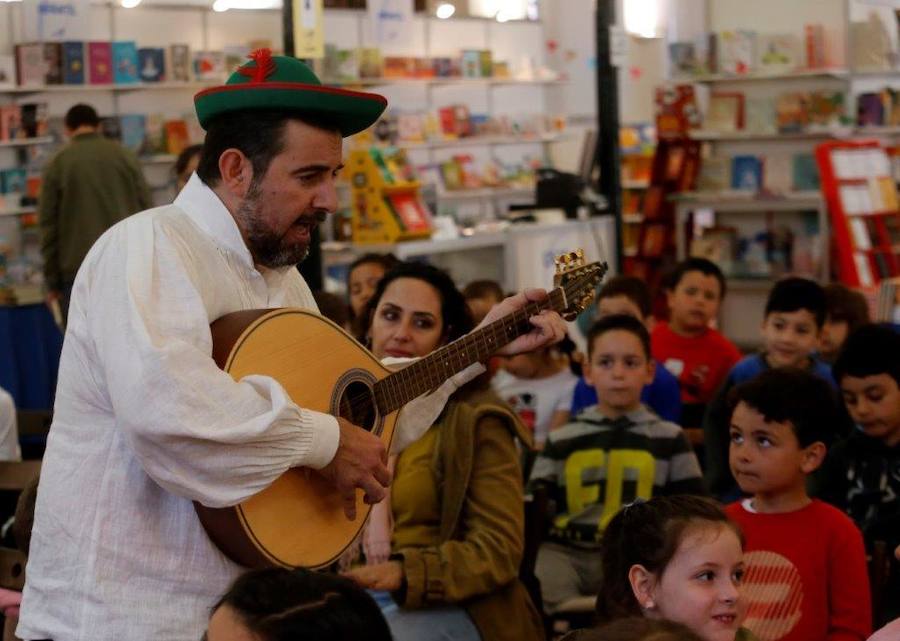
(426, 374)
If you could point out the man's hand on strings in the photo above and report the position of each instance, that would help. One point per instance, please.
(547, 326)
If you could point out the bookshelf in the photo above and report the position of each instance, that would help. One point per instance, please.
(27, 142)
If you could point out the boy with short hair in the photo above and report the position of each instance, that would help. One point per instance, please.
(862, 471)
(630, 295)
(794, 314)
(687, 346)
(617, 451)
(806, 572)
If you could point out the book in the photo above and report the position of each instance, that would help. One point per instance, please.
(760, 115)
(176, 136)
(53, 63)
(871, 44)
(814, 45)
(7, 71)
(870, 109)
(826, 109)
(125, 62)
(725, 112)
(778, 174)
(73, 63)
(486, 63)
(398, 67)
(133, 128)
(30, 65)
(410, 127)
(154, 139)
(737, 52)
(446, 67)
(683, 58)
(180, 62)
(410, 211)
(369, 60)
(792, 112)
(100, 71)
(111, 128)
(10, 122)
(209, 65)
(746, 173)
(470, 63)
(152, 64)
(34, 119)
(715, 174)
(778, 53)
(13, 180)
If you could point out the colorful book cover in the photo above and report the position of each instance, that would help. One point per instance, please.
(725, 112)
(777, 174)
(399, 67)
(209, 65)
(870, 109)
(737, 52)
(176, 136)
(152, 64)
(746, 173)
(370, 62)
(180, 62)
(422, 68)
(100, 71)
(683, 57)
(7, 71)
(486, 63)
(446, 67)
(13, 180)
(410, 211)
(759, 115)
(30, 65)
(10, 122)
(792, 112)
(814, 46)
(826, 109)
(471, 63)
(34, 116)
(134, 132)
(53, 63)
(155, 138)
(778, 53)
(125, 62)
(715, 174)
(806, 173)
(73, 63)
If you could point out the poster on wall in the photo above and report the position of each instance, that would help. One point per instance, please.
(56, 20)
(391, 21)
(309, 38)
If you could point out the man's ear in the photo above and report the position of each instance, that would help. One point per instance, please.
(643, 583)
(813, 456)
(236, 171)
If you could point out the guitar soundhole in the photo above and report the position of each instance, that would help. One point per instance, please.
(358, 406)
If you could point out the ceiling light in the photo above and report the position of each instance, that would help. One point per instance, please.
(502, 16)
(220, 5)
(445, 10)
(130, 4)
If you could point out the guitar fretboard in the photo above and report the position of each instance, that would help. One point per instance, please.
(426, 374)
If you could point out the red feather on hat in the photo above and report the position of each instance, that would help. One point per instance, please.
(264, 68)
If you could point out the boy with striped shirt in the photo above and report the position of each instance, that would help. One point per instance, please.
(613, 454)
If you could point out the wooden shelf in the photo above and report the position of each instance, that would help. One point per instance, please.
(27, 142)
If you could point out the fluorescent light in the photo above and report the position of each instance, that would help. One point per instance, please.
(502, 16)
(225, 5)
(130, 4)
(220, 5)
(445, 10)
(643, 18)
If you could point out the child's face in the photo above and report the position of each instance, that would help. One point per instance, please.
(618, 369)
(479, 307)
(765, 456)
(694, 302)
(874, 405)
(524, 365)
(226, 625)
(790, 337)
(833, 335)
(700, 587)
(362, 283)
(611, 305)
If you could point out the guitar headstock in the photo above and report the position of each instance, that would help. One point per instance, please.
(578, 281)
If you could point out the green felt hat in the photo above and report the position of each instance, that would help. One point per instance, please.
(281, 82)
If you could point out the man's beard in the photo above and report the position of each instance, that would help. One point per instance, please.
(267, 247)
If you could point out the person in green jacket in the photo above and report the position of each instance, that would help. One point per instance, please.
(88, 186)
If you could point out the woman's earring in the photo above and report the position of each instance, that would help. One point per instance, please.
(650, 605)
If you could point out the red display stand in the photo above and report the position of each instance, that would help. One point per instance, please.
(861, 194)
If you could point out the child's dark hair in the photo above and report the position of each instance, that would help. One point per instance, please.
(636, 629)
(790, 394)
(793, 294)
(694, 264)
(387, 262)
(622, 322)
(278, 604)
(632, 288)
(843, 304)
(869, 351)
(648, 534)
(483, 289)
(454, 311)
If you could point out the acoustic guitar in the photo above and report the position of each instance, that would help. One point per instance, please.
(299, 521)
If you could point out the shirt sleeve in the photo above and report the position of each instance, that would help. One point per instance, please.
(48, 218)
(196, 431)
(849, 600)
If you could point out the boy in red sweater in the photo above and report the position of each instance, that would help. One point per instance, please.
(699, 356)
(806, 565)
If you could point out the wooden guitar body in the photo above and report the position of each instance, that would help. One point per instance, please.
(299, 519)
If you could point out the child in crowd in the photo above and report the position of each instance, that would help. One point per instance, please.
(780, 429)
(481, 296)
(862, 471)
(636, 629)
(538, 385)
(687, 346)
(846, 311)
(616, 452)
(795, 312)
(277, 604)
(629, 295)
(678, 558)
(362, 278)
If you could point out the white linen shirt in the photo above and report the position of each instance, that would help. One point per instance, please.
(145, 423)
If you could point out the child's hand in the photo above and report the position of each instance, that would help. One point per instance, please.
(384, 576)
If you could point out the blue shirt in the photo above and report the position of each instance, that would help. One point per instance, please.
(662, 395)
